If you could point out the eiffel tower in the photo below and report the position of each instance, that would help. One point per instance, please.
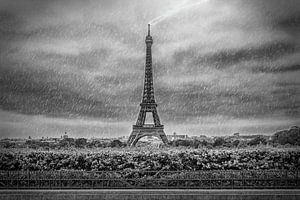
(148, 105)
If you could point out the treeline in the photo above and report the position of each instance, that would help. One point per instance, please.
(285, 137)
(221, 142)
(78, 143)
(66, 143)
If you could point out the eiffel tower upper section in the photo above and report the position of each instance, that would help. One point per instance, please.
(148, 94)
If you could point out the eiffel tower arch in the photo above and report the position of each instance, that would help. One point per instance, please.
(148, 105)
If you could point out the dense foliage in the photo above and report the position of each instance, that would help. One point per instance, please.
(145, 159)
(291, 136)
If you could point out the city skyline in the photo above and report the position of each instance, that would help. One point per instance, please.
(78, 66)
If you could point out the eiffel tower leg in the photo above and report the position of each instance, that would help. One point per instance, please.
(164, 138)
(155, 117)
(132, 137)
(141, 117)
(136, 139)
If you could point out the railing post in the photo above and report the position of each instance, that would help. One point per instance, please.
(28, 176)
(286, 179)
(60, 181)
(18, 179)
(39, 179)
(6, 180)
(243, 179)
(81, 180)
(232, 182)
(102, 181)
(297, 176)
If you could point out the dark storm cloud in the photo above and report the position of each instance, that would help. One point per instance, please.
(291, 23)
(276, 69)
(7, 21)
(287, 100)
(29, 92)
(229, 57)
(272, 10)
(8, 31)
(193, 101)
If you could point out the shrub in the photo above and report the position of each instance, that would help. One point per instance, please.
(257, 140)
(235, 143)
(291, 136)
(219, 142)
(116, 143)
(80, 142)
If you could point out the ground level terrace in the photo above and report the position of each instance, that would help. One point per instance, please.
(160, 194)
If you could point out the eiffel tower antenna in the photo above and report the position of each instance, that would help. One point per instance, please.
(148, 104)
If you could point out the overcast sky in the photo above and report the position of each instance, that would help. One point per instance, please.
(78, 66)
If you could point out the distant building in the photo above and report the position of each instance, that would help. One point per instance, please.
(200, 137)
(236, 134)
(123, 138)
(176, 137)
(65, 136)
(51, 140)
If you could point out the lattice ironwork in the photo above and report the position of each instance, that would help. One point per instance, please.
(148, 104)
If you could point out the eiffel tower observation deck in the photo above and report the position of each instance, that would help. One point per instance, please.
(148, 104)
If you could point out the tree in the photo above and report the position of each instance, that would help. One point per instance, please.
(196, 143)
(219, 142)
(80, 142)
(204, 143)
(235, 143)
(291, 136)
(35, 144)
(180, 142)
(257, 140)
(116, 143)
(66, 142)
(8, 144)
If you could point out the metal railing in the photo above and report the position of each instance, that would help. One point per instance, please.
(128, 179)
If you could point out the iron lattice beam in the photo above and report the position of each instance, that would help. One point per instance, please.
(148, 104)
